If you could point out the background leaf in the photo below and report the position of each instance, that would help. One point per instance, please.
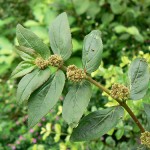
(60, 36)
(28, 39)
(97, 124)
(30, 83)
(22, 69)
(80, 9)
(44, 99)
(139, 78)
(76, 102)
(92, 51)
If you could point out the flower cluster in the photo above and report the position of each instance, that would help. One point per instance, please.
(41, 63)
(75, 74)
(55, 60)
(119, 92)
(145, 138)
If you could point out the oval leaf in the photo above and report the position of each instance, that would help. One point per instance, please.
(44, 99)
(76, 102)
(28, 39)
(26, 53)
(22, 69)
(30, 83)
(60, 36)
(97, 124)
(139, 78)
(92, 51)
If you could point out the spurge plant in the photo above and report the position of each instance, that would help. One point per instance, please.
(44, 79)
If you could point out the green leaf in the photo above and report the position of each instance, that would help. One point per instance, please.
(117, 7)
(119, 133)
(80, 9)
(93, 10)
(76, 102)
(110, 141)
(135, 32)
(139, 78)
(22, 69)
(120, 29)
(30, 83)
(26, 53)
(92, 51)
(107, 18)
(147, 111)
(29, 39)
(60, 36)
(44, 98)
(97, 124)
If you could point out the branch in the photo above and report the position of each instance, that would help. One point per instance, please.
(123, 104)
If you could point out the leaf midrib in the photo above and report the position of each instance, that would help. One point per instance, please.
(25, 38)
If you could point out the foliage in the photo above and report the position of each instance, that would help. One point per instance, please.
(95, 124)
(125, 31)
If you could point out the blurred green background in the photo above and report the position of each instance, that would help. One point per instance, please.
(125, 29)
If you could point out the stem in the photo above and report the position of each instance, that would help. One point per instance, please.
(64, 68)
(98, 85)
(123, 104)
(126, 107)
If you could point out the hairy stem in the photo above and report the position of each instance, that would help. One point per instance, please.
(123, 104)
(98, 85)
(126, 107)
